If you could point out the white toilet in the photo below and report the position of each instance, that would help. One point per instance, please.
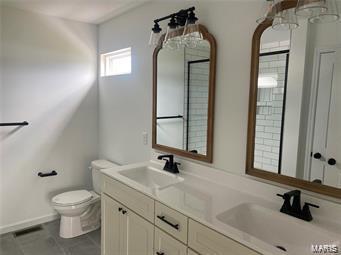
(80, 210)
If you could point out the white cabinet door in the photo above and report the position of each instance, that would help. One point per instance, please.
(111, 226)
(123, 231)
(167, 245)
(209, 242)
(139, 235)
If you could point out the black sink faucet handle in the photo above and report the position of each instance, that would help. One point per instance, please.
(295, 206)
(169, 158)
(296, 202)
(312, 205)
(306, 214)
(286, 207)
(293, 193)
(170, 165)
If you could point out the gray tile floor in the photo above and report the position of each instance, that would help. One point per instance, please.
(48, 242)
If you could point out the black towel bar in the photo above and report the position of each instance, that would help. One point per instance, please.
(7, 124)
(40, 174)
(170, 117)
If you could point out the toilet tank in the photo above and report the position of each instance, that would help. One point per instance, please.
(96, 167)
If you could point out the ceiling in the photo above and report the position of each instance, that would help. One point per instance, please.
(90, 11)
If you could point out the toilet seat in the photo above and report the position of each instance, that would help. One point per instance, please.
(72, 198)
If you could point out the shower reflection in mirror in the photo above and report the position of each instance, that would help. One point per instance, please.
(298, 114)
(182, 98)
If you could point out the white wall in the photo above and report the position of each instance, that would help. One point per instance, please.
(126, 101)
(170, 94)
(1, 110)
(49, 70)
(294, 95)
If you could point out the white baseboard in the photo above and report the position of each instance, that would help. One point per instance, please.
(28, 223)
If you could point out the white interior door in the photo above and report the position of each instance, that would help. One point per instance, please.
(332, 173)
(324, 88)
(327, 124)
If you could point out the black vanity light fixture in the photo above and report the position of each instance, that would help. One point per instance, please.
(155, 34)
(182, 19)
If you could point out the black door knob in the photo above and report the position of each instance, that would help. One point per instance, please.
(331, 162)
(317, 155)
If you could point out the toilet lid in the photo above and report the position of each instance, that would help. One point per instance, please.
(72, 197)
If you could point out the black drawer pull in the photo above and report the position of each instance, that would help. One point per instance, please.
(120, 209)
(124, 212)
(163, 218)
(159, 253)
(40, 174)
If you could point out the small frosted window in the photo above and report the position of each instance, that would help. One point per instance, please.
(116, 62)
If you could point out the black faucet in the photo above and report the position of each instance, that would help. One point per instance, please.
(294, 208)
(170, 165)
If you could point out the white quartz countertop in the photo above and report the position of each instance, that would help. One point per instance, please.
(202, 200)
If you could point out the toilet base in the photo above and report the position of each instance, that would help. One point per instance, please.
(79, 225)
(71, 227)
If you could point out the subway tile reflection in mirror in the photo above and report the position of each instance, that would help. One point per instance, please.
(298, 109)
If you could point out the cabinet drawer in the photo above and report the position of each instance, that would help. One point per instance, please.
(171, 221)
(167, 245)
(207, 241)
(129, 197)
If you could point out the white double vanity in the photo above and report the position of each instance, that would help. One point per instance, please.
(146, 210)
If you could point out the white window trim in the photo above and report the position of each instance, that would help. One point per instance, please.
(118, 54)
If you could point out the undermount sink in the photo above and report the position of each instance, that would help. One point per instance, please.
(151, 177)
(276, 229)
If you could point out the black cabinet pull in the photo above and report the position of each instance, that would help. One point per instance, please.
(159, 253)
(120, 209)
(331, 162)
(163, 218)
(124, 211)
(53, 173)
